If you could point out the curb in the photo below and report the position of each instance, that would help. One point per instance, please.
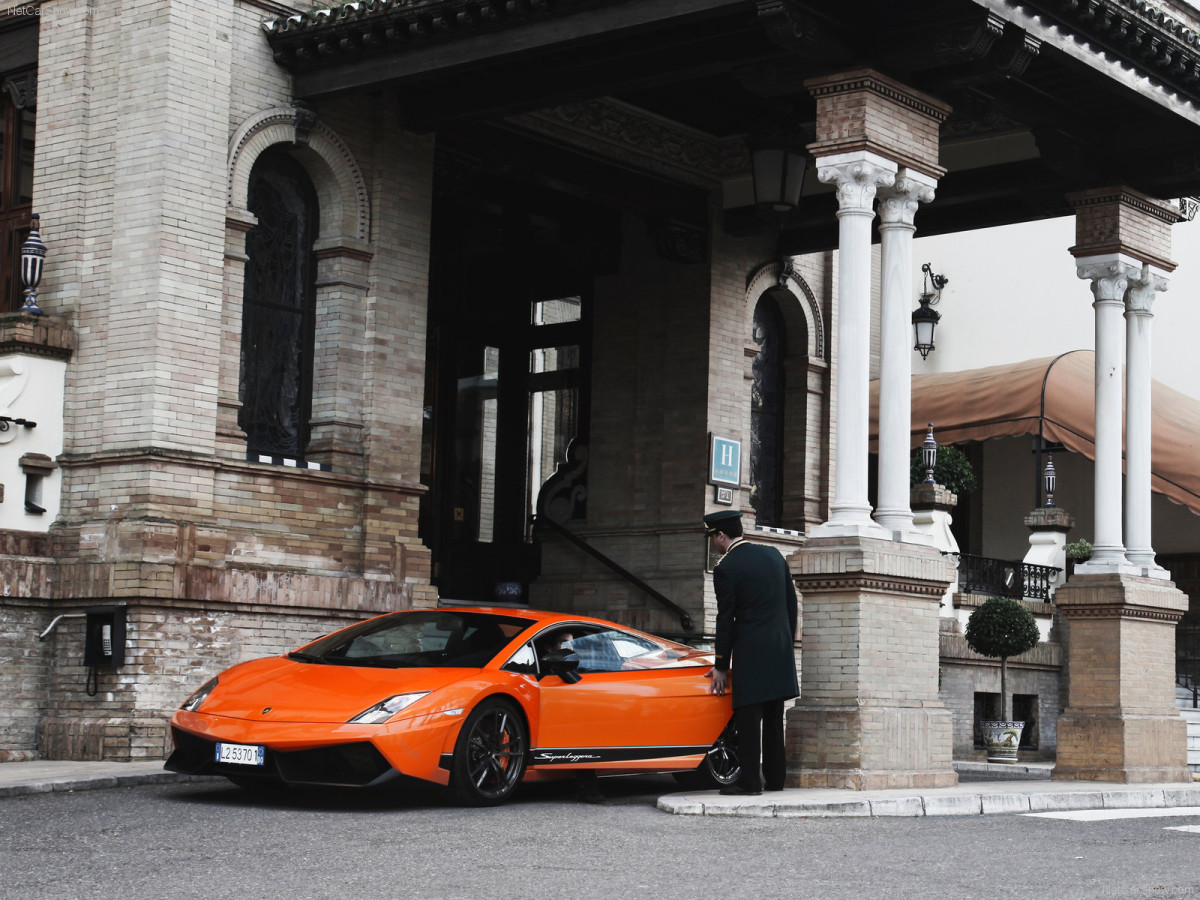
(984, 802)
(70, 783)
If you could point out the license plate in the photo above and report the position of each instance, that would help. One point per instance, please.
(241, 754)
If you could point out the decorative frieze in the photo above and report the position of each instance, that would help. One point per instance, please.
(631, 135)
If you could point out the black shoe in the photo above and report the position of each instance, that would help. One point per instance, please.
(587, 788)
(773, 789)
(736, 790)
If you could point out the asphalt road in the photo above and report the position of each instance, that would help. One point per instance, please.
(206, 840)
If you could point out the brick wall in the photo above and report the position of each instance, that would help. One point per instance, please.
(24, 670)
(174, 649)
(160, 505)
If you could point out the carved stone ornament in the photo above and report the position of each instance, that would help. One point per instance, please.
(898, 203)
(1110, 278)
(563, 498)
(1142, 289)
(856, 181)
(22, 88)
(1015, 52)
(306, 118)
(787, 24)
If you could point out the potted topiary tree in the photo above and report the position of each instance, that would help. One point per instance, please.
(1002, 627)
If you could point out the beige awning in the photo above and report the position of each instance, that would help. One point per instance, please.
(1055, 397)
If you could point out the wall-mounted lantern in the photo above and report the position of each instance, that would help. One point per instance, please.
(779, 166)
(925, 318)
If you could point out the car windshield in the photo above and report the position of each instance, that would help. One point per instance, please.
(418, 639)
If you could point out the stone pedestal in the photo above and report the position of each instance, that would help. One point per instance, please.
(1048, 527)
(933, 507)
(869, 715)
(1121, 723)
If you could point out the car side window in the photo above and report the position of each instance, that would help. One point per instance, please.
(597, 652)
(523, 661)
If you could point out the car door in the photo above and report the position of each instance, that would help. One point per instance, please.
(635, 700)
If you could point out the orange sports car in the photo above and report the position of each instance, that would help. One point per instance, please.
(478, 699)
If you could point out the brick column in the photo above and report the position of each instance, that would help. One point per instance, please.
(869, 715)
(1120, 723)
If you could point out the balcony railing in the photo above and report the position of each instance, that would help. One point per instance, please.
(1004, 578)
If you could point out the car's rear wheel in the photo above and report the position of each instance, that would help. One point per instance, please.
(721, 765)
(489, 756)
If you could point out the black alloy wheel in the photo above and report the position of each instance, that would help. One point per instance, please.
(721, 765)
(490, 754)
(721, 762)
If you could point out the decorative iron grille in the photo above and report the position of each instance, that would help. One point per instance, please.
(1004, 578)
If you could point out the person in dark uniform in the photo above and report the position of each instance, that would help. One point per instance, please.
(756, 628)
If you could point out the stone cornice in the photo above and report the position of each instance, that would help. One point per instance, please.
(867, 582)
(1165, 212)
(186, 458)
(330, 36)
(870, 80)
(1121, 611)
(1140, 35)
(1131, 40)
(48, 336)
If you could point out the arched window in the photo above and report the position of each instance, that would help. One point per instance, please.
(766, 413)
(17, 119)
(278, 308)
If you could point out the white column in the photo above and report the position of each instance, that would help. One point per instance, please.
(1110, 276)
(1138, 423)
(857, 176)
(897, 209)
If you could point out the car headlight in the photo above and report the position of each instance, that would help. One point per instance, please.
(385, 709)
(192, 703)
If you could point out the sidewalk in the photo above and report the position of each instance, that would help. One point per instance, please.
(42, 776)
(970, 798)
(981, 797)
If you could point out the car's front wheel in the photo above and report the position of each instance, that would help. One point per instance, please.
(489, 756)
(720, 767)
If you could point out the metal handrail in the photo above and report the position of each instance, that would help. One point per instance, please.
(1187, 659)
(1005, 578)
(1189, 683)
(685, 620)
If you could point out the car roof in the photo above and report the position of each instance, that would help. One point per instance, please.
(540, 616)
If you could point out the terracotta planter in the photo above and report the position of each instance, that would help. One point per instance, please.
(1001, 740)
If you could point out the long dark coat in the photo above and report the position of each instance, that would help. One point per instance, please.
(756, 623)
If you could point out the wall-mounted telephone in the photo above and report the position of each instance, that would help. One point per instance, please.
(104, 638)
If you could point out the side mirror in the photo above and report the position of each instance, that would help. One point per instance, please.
(564, 664)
